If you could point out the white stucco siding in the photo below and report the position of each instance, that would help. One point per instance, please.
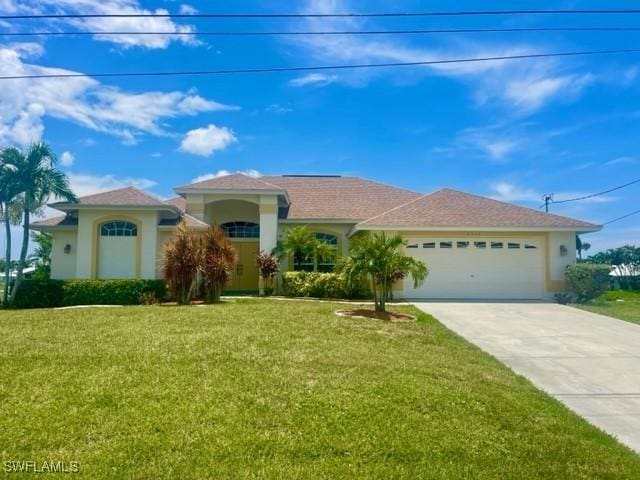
(559, 258)
(117, 257)
(63, 265)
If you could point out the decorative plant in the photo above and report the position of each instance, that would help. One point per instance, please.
(379, 258)
(180, 262)
(217, 259)
(268, 268)
(301, 244)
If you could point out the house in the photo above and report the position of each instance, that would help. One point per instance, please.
(475, 247)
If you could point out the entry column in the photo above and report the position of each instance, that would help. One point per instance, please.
(268, 224)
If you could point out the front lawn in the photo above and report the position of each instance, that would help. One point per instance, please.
(616, 303)
(279, 389)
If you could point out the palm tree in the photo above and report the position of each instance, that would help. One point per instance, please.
(38, 180)
(379, 257)
(301, 244)
(9, 209)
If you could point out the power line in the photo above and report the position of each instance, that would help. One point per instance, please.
(335, 32)
(599, 193)
(622, 217)
(316, 68)
(322, 15)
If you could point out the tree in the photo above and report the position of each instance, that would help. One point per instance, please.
(41, 256)
(302, 245)
(217, 259)
(581, 246)
(37, 180)
(268, 268)
(180, 260)
(379, 257)
(9, 210)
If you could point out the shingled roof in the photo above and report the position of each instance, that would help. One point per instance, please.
(334, 197)
(451, 208)
(127, 196)
(235, 181)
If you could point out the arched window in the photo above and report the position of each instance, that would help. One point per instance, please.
(241, 229)
(118, 229)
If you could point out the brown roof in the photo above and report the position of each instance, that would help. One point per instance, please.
(178, 202)
(346, 198)
(59, 221)
(451, 208)
(129, 196)
(235, 181)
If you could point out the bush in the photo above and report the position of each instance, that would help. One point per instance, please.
(110, 292)
(588, 281)
(320, 285)
(627, 282)
(39, 294)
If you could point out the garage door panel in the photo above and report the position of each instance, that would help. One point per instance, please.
(468, 271)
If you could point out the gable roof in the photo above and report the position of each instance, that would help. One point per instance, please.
(59, 221)
(127, 196)
(335, 197)
(454, 209)
(235, 181)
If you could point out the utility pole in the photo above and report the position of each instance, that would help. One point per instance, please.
(547, 198)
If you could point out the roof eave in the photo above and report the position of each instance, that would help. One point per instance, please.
(581, 229)
(66, 207)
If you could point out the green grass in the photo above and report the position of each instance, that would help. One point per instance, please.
(278, 389)
(618, 304)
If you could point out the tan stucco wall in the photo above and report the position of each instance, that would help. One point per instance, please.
(557, 262)
(231, 211)
(63, 265)
(162, 238)
(88, 222)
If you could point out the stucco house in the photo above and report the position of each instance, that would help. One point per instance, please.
(475, 247)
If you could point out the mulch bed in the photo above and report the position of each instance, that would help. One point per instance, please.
(366, 313)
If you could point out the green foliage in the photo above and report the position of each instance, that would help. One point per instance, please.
(303, 245)
(625, 261)
(321, 285)
(379, 258)
(39, 294)
(44, 244)
(110, 292)
(588, 280)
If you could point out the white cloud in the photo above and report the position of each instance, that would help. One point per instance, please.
(188, 9)
(223, 173)
(87, 184)
(508, 192)
(277, 108)
(495, 142)
(67, 159)
(533, 92)
(625, 160)
(119, 24)
(206, 140)
(86, 102)
(313, 79)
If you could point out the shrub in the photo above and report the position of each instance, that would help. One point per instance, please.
(110, 292)
(39, 294)
(320, 285)
(268, 268)
(588, 281)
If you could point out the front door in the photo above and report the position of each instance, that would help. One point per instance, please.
(245, 273)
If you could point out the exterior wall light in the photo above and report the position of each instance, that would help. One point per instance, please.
(563, 251)
(67, 248)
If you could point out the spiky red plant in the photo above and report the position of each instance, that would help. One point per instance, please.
(180, 261)
(268, 267)
(218, 258)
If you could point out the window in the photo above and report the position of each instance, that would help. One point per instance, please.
(497, 245)
(429, 245)
(241, 229)
(480, 244)
(324, 264)
(118, 229)
(513, 245)
(461, 244)
(528, 246)
(446, 244)
(413, 245)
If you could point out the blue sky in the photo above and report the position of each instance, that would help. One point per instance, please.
(512, 130)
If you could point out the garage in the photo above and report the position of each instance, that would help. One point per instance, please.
(117, 250)
(478, 267)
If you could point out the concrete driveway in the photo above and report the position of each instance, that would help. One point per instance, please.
(589, 362)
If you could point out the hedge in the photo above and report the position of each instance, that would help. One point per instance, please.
(56, 293)
(320, 285)
(588, 280)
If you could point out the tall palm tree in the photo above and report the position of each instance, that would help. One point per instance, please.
(9, 209)
(38, 179)
(380, 258)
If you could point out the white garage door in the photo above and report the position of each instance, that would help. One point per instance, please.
(480, 268)
(117, 250)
